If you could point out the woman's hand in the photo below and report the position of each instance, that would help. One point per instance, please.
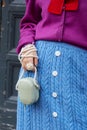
(28, 63)
(29, 58)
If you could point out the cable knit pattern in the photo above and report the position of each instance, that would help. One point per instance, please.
(70, 84)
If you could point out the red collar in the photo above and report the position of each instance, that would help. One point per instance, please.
(56, 6)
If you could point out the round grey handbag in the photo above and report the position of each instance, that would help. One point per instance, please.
(28, 89)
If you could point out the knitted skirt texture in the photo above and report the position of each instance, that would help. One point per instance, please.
(62, 75)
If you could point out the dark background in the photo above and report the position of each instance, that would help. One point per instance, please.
(10, 16)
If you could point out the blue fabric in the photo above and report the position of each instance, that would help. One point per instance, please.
(70, 85)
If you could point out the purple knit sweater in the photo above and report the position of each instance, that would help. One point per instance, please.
(39, 24)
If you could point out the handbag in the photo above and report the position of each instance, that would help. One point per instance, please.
(28, 89)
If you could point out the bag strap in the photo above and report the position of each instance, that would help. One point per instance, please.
(21, 75)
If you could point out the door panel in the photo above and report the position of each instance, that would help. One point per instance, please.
(9, 64)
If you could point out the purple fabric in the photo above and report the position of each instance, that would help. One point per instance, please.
(39, 24)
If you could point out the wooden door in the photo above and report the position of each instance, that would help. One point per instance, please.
(9, 64)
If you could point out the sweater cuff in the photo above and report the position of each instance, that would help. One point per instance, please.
(23, 43)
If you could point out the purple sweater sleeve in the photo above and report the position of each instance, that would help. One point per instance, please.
(28, 24)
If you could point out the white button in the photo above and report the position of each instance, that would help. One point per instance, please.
(54, 114)
(54, 94)
(57, 53)
(54, 73)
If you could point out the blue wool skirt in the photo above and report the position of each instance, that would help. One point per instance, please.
(62, 75)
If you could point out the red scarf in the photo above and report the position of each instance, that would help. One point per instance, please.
(56, 6)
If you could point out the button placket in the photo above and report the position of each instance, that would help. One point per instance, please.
(54, 93)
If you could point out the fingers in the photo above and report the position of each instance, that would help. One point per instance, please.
(29, 59)
(29, 63)
(35, 61)
(30, 66)
(25, 63)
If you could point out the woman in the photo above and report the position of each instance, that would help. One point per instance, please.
(58, 30)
